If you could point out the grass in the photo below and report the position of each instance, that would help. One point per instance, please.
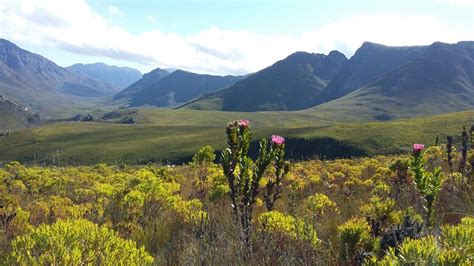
(174, 135)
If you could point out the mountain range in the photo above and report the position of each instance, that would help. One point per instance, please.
(43, 86)
(434, 79)
(120, 77)
(377, 83)
(163, 89)
(293, 83)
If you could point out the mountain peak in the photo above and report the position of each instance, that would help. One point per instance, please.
(337, 54)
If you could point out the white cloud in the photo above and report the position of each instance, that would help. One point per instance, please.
(113, 10)
(152, 19)
(462, 3)
(75, 27)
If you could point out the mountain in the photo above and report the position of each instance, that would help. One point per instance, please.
(14, 115)
(43, 86)
(173, 89)
(370, 61)
(293, 83)
(146, 81)
(120, 77)
(439, 80)
(377, 83)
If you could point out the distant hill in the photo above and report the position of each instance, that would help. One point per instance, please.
(43, 86)
(120, 77)
(439, 80)
(14, 115)
(293, 83)
(145, 81)
(161, 90)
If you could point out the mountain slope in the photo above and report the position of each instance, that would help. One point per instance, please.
(43, 86)
(440, 80)
(145, 81)
(293, 83)
(14, 116)
(120, 77)
(35, 71)
(175, 88)
(369, 62)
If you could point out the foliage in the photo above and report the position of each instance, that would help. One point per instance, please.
(319, 203)
(285, 226)
(455, 246)
(202, 160)
(428, 183)
(354, 237)
(76, 242)
(393, 236)
(244, 175)
(157, 207)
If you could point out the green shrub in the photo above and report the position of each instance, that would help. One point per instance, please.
(76, 242)
(455, 246)
(354, 237)
(286, 226)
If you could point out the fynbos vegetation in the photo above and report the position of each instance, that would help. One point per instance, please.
(414, 209)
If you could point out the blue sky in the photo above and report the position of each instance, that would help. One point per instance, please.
(267, 16)
(227, 36)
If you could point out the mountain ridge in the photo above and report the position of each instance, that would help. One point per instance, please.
(120, 77)
(171, 89)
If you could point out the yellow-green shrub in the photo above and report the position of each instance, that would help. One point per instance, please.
(75, 242)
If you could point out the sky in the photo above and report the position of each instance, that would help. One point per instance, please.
(223, 36)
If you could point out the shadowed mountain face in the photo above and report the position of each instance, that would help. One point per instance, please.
(439, 80)
(157, 89)
(379, 82)
(120, 77)
(368, 63)
(146, 81)
(290, 84)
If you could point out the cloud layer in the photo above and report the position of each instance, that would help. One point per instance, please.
(75, 27)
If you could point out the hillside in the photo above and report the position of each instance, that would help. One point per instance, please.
(174, 135)
(377, 83)
(120, 77)
(41, 85)
(293, 83)
(14, 116)
(369, 62)
(440, 80)
(145, 81)
(171, 90)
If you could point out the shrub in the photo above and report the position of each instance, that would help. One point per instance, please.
(392, 237)
(422, 251)
(319, 203)
(455, 246)
(244, 174)
(457, 242)
(428, 183)
(285, 226)
(75, 242)
(354, 238)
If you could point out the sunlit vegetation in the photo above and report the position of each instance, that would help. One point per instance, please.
(415, 208)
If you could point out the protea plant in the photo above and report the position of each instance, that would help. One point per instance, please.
(428, 183)
(244, 174)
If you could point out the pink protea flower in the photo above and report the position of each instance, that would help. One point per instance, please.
(418, 147)
(244, 123)
(278, 140)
